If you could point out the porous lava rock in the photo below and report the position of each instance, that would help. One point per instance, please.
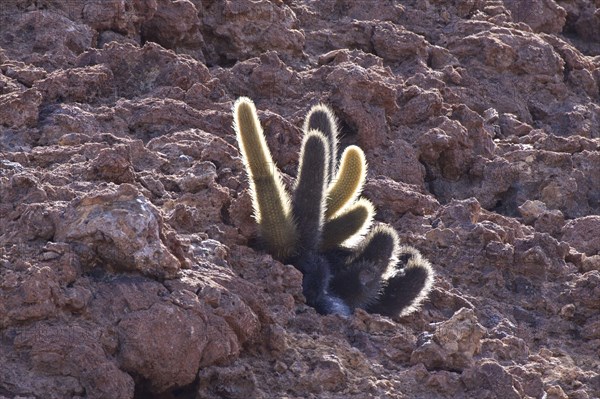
(129, 260)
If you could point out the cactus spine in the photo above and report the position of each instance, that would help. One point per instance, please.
(270, 201)
(348, 182)
(322, 119)
(407, 287)
(352, 222)
(309, 193)
(360, 282)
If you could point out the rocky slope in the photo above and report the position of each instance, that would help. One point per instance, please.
(126, 261)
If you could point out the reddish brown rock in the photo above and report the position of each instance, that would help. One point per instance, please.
(273, 27)
(22, 73)
(120, 229)
(392, 43)
(63, 38)
(142, 349)
(489, 379)
(20, 110)
(128, 264)
(453, 344)
(77, 84)
(365, 101)
(76, 351)
(404, 197)
(582, 234)
(540, 15)
(184, 16)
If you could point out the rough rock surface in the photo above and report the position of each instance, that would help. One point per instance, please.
(127, 266)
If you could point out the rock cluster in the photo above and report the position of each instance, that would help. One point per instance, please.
(127, 260)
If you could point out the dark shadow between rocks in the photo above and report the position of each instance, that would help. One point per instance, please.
(186, 392)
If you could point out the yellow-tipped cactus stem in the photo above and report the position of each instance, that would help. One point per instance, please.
(309, 194)
(348, 182)
(349, 225)
(270, 201)
(405, 291)
(379, 245)
(321, 118)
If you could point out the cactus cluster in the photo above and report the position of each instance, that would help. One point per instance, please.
(324, 227)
